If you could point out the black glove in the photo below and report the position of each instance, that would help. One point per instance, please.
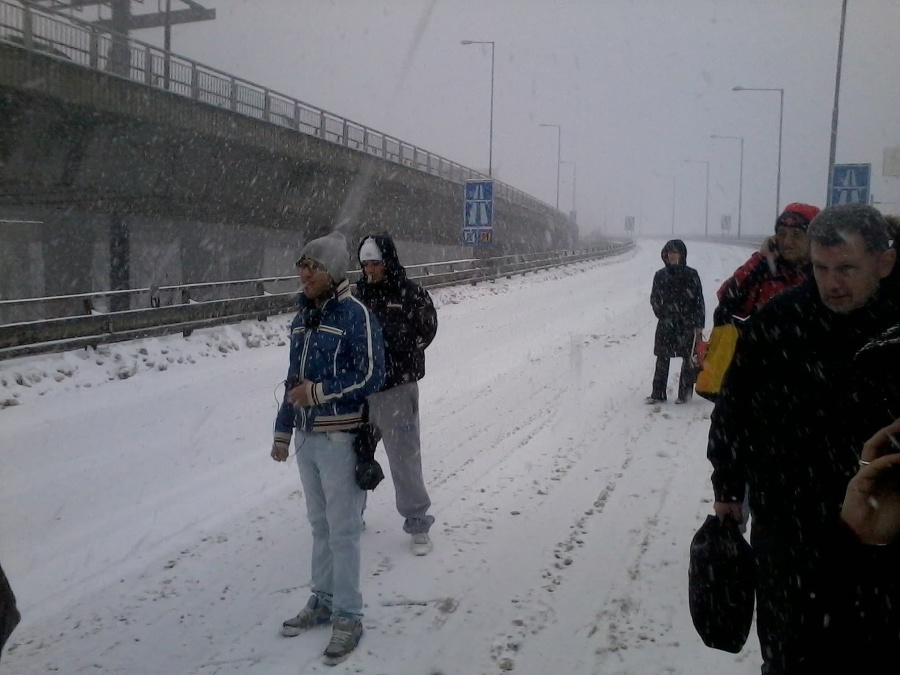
(368, 471)
(368, 474)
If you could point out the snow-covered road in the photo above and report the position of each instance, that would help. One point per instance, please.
(145, 529)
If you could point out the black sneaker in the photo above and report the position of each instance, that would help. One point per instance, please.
(652, 400)
(316, 613)
(345, 635)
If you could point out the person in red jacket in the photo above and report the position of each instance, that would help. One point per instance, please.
(781, 262)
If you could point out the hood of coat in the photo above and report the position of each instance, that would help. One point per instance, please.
(394, 271)
(674, 245)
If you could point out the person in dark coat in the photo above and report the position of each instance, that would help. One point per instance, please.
(677, 301)
(409, 322)
(790, 419)
(858, 593)
(9, 612)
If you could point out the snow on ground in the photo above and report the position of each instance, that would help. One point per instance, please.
(145, 529)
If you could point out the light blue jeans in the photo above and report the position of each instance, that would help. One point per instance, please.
(334, 507)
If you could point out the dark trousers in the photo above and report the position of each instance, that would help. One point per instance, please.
(785, 615)
(685, 381)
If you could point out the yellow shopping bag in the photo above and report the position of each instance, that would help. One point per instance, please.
(722, 342)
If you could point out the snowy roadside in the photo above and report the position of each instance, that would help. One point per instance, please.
(146, 531)
(24, 379)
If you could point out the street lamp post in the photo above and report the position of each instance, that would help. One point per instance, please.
(574, 180)
(558, 161)
(740, 180)
(837, 98)
(491, 132)
(673, 205)
(704, 161)
(780, 125)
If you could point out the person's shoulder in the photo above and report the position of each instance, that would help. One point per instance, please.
(414, 288)
(789, 311)
(799, 300)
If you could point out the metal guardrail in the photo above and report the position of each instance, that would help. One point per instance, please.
(95, 328)
(60, 36)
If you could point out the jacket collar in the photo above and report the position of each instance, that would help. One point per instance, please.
(339, 293)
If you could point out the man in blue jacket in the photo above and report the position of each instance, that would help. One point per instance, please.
(336, 361)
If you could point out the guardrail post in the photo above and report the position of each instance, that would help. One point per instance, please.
(195, 82)
(148, 65)
(345, 135)
(27, 22)
(261, 290)
(154, 296)
(186, 300)
(267, 101)
(94, 49)
(321, 129)
(233, 95)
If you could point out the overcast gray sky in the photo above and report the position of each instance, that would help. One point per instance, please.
(638, 86)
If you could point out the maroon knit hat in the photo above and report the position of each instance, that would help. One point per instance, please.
(797, 215)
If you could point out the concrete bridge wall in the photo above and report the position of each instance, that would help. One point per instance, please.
(126, 186)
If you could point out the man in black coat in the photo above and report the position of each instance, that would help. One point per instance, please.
(859, 588)
(790, 418)
(677, 301)
(9, 613)
(409, 323)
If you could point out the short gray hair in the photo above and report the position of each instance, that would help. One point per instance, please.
(834, 223)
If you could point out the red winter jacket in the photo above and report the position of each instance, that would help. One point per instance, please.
(752, 285)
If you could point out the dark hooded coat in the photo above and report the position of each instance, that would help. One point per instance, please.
(677, 301)
(406, 313)
(9, 613)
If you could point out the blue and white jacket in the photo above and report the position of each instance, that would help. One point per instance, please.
(337, 347)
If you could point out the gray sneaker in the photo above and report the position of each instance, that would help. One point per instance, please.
(420, 544)
(345, 635)
(316, 613)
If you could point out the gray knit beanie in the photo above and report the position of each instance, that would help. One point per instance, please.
(331, 252)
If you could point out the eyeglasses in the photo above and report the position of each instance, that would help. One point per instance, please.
(310, 265)
(371, 263)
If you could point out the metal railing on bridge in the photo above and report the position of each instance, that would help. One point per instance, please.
(65, 322)
(47, 32)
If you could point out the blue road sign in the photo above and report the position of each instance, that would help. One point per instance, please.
(850, 184)
(478, 213)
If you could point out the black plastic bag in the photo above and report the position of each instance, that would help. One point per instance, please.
(721, 585)
(368, 471)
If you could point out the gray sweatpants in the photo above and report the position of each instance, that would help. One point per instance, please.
(395, 415)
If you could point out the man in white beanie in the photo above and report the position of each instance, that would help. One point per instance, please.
(409, 321)
(336, 361)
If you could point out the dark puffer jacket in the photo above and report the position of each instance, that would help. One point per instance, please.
(406, 313)
(794, 412)
(677, 301)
